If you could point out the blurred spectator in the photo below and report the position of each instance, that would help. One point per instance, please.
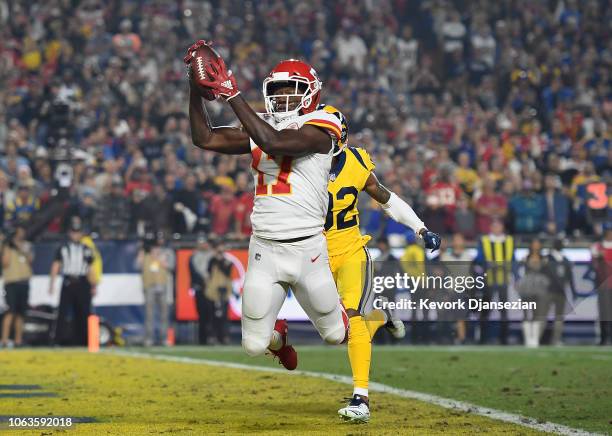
(5, 197)
(222, 210)
(490, 206)
(244, 206)
(139, 214)
(465, 220)
(527, 210)
(408, 51)
(483, 47)
(602, 263)
(453, 32)
(113, 213)
(350, 47)
(23, 206)
(466, 176)
(188, 206)
(556, 206)
(442, 198)
(156, 210)
(425, 81)
(17, 257)
(126, 42)
(84, 206)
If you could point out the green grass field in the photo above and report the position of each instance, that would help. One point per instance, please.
(569, 385)
(135, 395)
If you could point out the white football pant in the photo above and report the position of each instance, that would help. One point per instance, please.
(273, 269)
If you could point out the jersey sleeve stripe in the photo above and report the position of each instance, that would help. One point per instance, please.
(327, 125)
(358, 157)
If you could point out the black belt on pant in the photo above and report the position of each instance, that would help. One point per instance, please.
(287, 241)
(74, 279)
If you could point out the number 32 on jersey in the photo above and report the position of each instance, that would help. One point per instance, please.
(342, 206)
(272, 173)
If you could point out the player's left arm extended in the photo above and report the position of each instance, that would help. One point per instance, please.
(400, 211)
(286, 142)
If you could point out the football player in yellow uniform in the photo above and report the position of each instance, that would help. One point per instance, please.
(352, 172)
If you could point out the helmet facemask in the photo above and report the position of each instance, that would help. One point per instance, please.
(288, 104)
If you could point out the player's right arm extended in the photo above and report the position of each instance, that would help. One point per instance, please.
(400, 211)
(393, 205)
(226, 140)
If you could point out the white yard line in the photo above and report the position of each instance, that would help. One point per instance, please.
(447, 403)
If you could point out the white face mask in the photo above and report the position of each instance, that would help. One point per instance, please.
(274, 102)
(278, 104)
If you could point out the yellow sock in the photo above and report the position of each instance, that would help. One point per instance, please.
(360, 353)
(375, 320)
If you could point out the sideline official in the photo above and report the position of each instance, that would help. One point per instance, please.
(73, 260)
(496, 256)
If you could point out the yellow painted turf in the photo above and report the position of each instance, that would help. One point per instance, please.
(133, 396)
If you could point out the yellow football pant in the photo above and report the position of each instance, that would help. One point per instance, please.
(351, 273)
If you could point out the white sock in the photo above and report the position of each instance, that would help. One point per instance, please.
(362, 392)
(276, 341)
(526, 338)
(533, 334)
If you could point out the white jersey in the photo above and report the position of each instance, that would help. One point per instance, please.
(291, 192)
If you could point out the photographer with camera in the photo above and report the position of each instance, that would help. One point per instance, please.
(156, 274)
(17, 259)
(218, 292)
(198, 271)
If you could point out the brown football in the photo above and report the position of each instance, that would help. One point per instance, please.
(202, 57)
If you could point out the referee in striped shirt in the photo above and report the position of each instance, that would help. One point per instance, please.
(73, 261)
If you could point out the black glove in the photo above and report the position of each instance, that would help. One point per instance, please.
(432, 240)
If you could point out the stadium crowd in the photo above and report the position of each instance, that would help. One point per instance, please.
(502, 110)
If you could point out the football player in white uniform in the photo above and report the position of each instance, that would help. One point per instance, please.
(291, 148)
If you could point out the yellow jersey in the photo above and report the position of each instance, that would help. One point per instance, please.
(346, 180)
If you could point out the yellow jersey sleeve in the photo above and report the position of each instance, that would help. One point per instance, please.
(365, 164)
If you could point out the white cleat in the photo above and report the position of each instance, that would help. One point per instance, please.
(396, 328)
(357, 410)
(394, 325)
